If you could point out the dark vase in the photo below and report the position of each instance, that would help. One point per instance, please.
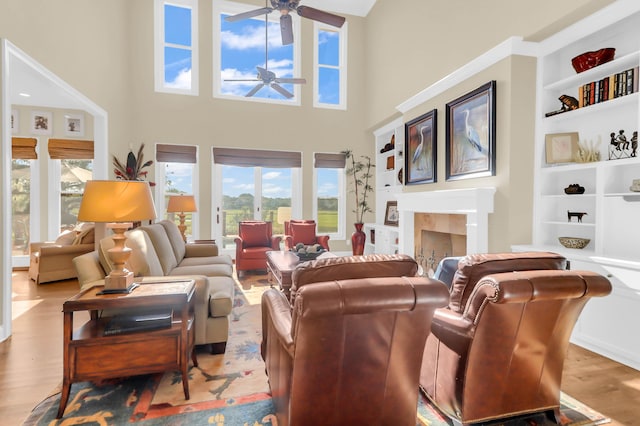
(357, 239)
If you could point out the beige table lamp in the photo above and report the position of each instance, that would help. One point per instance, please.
(182, 204)
(117, 203)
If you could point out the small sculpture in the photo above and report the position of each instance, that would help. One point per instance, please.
(576, 215)
(619, 145)
(569, 103)
(574, 188)
(634, 143)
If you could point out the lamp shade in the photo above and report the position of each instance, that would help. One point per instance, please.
(181, 204)
(283, 215)
(116, 201)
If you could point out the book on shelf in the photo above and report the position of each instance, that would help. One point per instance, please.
(133, 323)
(610, 87)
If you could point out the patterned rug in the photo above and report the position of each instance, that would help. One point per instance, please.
(226, 390)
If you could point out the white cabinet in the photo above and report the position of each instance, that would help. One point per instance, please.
(612, 220)
(389, 160)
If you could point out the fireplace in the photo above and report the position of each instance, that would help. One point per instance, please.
(452, 222)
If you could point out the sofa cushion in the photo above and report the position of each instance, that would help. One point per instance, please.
(304, 233)
(162, 244)
(214, 270)
(177, 243)
(255, 234)
(85, 236)
(223, 259)
(144, 259)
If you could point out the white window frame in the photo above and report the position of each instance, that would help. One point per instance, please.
(159, 46)
(230, 7)
(342, 67)
(342, 197)
(159, 194)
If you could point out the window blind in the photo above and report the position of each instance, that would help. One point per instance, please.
(70, 149)
(24, 148)
(329, 161)
(257, 158)
(176, 153)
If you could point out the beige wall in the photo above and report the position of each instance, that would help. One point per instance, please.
(104, 48)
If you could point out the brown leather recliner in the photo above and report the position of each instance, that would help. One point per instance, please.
(349, 352)
(498, 350)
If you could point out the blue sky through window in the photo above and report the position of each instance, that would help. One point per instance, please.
(242, 48)
(178, 55)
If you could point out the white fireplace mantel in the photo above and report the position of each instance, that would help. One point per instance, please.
(475, 203)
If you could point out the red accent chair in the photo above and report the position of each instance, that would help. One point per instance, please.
(254, 240)
(303, 231)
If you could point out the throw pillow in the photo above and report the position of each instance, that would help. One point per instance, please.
(66, 238)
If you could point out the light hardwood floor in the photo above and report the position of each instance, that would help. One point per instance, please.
(31, 360)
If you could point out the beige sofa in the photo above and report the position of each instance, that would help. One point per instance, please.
(160, 254)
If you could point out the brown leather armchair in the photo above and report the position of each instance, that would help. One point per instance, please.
(254, 240)
(303, 231)
(498, 350)
(349, 352)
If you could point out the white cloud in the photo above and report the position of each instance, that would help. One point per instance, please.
(271, 175)
(252, 38)
(182, 80)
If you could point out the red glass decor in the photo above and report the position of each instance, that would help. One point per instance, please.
(358, 239)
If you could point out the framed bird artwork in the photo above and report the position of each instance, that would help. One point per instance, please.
(471, 134)
(420, 149)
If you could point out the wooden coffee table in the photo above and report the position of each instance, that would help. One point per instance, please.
(280, 266)
(90, 355)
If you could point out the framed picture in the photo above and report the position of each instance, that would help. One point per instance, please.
(471, 134)
(391, 215)
(41, 123)
(420, 147)
(15, 121)
(74, 125)
(561, 147)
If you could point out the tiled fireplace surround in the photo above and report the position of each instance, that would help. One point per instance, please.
(447, 222)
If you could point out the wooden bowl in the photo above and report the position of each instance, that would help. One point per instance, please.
(574, 242)
(588, 60)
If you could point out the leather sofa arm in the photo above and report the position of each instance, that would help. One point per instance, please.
(276, 316)
(35, 247)
(200, 250)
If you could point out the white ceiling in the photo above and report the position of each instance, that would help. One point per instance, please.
(46, 93)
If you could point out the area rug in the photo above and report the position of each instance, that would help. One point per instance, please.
(226, 390)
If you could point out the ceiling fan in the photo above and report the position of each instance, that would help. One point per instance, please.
(269, 78)
(285, 7)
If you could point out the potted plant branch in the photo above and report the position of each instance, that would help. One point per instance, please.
(359, 170)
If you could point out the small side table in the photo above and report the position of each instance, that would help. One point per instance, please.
(90, 355)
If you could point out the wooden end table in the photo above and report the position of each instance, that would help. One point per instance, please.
(90, 355)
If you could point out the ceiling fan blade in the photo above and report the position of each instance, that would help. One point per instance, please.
(286, 28)
(291, 80)
(321, 16)
(249, 14)
(265, 75)
(254, 90)
(284, 92)
(242, 79)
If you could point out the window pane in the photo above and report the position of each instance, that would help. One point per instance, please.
(73, 176)
(329, 85)
(177, 68)
(238, 193)
(242, 49)
(328, 187)
(178, 179)
(328, 48)
(177, 25)
(276, 192)
(20, 206)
